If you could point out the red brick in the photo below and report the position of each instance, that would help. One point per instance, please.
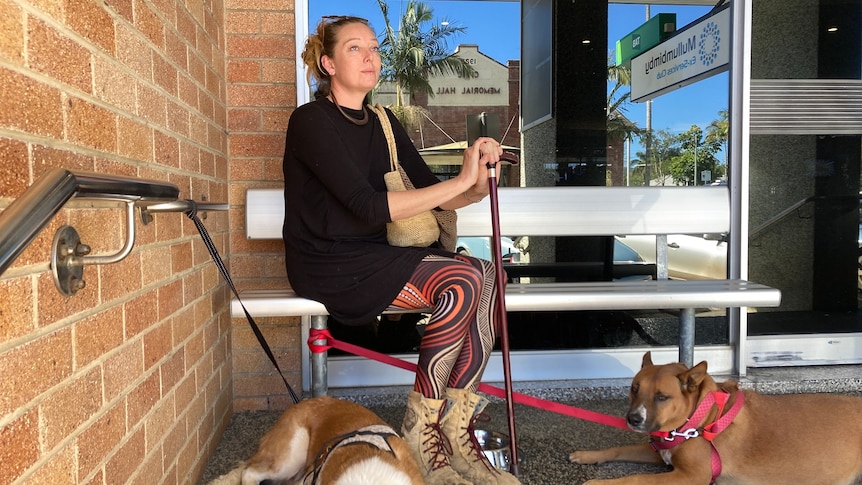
(16, 313)
(262, 95)
(149, 24)
(188, 91)
(279, 71)
(157, 344)
(167, 8)
(155, 261)
(15, 172)
(122, 369)
(170, 299)
(152, 105)
(275, 120)
(149, 470)
(34, 367)
(176, 49)
(67, 408)
(172, 371)
(166, 148)
(143, 398)
(165, 74)
(30, 106)
(134, 139)
(91, 125)
(159, 423)
(11, 31)
(60, 468)
(124, 462)
(92, 22)
(174, 441)
(114, 85)
(58, 56)
(97, 335)
(277, 23)
(267, 47)
(140, 313)
(19, 446)
(243, 71)
(120, 279)
(242, 22)
(122, 7)
(257, 145)
(134, 52)
(258, 4)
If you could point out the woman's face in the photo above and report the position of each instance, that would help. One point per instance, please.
(355, 64)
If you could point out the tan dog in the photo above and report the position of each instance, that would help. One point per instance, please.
(804, 439)
(328, 441)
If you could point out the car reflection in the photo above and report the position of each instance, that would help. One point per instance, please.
(689, 257)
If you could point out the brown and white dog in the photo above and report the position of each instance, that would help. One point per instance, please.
(328, 441)
(716, 433)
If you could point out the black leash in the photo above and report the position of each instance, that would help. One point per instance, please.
(192, 214)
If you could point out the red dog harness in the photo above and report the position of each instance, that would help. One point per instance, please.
(665, 440)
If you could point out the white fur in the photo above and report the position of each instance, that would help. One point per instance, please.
(290, 466)
(666, 456)
(373, 471)
(642, 412)
(233, 477)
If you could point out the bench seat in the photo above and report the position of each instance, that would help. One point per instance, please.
(558, 211)
(538, 297)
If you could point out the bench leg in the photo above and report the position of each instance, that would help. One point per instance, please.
(319, 385)
(686, 337)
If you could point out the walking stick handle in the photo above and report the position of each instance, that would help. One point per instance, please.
(510, 158)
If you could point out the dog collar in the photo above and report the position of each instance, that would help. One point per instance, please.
(665, 440)
(375, 435)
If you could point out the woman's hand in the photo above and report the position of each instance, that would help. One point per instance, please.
(477, 157)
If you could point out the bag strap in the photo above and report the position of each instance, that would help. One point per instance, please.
(380, 111)
(208, 242)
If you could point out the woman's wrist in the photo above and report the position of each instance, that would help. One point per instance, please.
(471, 200)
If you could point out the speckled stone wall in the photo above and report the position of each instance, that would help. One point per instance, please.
(782, 168)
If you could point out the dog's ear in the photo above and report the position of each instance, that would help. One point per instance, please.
(647, 360)
(692, 378)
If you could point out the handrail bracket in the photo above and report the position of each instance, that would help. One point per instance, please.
(69, 255)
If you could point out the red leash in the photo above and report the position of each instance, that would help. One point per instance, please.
(317, 335)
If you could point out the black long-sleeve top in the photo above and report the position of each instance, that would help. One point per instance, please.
(336, 211)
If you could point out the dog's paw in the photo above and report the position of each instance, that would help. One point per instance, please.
(586, 457)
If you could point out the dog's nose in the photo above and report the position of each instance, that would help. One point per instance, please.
(635, 420)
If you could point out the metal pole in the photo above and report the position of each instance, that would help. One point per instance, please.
(319, 380)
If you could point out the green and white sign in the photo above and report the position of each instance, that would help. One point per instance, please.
(695, 52)
(644, 37)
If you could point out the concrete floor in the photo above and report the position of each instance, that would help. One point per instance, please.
(544, 438)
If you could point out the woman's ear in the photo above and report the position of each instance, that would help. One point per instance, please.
(327, 65)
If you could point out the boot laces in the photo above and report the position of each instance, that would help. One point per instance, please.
(436, 443)
(473, 444)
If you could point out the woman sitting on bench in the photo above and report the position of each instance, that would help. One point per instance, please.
(336, 211)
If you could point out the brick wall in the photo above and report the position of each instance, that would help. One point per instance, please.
(261, 73)
(130, 379)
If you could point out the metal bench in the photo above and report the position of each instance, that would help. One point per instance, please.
(557, 211)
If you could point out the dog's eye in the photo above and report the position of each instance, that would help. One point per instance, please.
(635, 388)
(661, 397)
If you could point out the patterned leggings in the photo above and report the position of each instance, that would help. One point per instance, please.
(462, 329)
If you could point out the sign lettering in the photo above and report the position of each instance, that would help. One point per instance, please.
(697, 51)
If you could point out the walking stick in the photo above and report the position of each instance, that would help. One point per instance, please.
(512, 159)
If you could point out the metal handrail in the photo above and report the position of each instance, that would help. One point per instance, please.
(27, 215)
(756, 232)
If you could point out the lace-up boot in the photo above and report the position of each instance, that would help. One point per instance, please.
(423, 431)
(467, 456)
